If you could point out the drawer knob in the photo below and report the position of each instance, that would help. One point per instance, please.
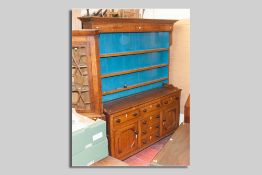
(144, 132)
(135, 114)
(158, 116)
(144, 110)
(157, 126)
(144, 122)
(118, 120)
(97, 27)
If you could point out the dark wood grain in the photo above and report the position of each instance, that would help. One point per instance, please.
(187, 111)
(133, 70)
(137, 99)
(132, 52)
(137, 121)
(110, 25)
(176, 152)
(85, 32)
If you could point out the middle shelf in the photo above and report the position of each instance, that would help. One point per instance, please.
(133, 86)
(133, 70)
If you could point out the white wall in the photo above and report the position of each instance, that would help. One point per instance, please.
(157, 13)
(167, 13)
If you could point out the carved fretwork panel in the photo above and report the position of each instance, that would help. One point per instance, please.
(80, 82)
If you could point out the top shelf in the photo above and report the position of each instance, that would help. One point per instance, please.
(132, 52)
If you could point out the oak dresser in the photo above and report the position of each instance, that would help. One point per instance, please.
(129, 66)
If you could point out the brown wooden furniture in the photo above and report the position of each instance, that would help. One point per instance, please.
(137, 121)
(187, 111)
(110, 161)
(86, 89)
(134, 58)
(176, 152)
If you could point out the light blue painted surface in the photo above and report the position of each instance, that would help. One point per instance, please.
(124, 42)
(128, 62)
(132, 91)
(120, 81)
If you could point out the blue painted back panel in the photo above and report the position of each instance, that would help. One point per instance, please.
(115, 82)
(124, 42)
(132, 91)
(128, 62)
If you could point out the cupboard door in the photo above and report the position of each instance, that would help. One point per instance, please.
(170, 120)
(126, 140)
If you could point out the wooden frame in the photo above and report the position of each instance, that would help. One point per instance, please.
(89, 39)
(110, 25)
(125, 114)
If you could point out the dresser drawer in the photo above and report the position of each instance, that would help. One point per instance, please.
(151, 118)
(170, 100)
(150, 107)
(149, 138)
(149, 128)
(126, 116)
(115, 27)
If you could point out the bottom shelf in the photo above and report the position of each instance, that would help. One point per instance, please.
(136, 89)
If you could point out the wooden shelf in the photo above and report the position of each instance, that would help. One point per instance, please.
(132, 52)
(133, 86)
(133, 70)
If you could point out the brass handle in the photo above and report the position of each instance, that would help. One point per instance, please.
(135, 114)
(118, 120)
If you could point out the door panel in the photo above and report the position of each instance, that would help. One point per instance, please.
(170, 120)
(126, 140)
